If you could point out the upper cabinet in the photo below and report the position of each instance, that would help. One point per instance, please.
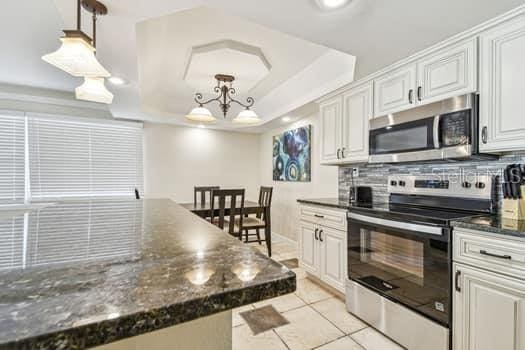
(395, 91)
(357, 111)
(331, 130)
(344, 126)
(449, 72)
(502, 106)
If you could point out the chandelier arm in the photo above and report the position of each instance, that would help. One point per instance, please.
(249, 102)
(198, 99)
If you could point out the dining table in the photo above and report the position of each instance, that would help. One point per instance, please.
(203, 210)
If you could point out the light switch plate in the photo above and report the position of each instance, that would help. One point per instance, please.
(355, 172)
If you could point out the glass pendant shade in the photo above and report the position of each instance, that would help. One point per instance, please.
(201, 114)
(77, 57)
(247, 116)
(94, 90)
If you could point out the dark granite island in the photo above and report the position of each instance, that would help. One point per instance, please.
(84, 274)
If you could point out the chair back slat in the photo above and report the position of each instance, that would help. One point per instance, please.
(265, 200)
(235, 198)
(200, 192)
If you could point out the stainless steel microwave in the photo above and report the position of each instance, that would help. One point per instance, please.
(441, 130)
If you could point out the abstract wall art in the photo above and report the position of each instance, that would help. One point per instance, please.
(292, 155)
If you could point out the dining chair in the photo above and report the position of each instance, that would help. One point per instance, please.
(259, 221)
(225, 206)
(199, 192)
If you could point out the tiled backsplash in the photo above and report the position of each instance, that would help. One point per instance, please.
(376, 175)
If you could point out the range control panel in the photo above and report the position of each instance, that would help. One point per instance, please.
(463, 185)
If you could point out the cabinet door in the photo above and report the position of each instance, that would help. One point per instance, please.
(331, 130)
(447, 73)
(357, 111)
(489, 311)
(309, 248)
(502, 73)
(395, 91)
(332, 246)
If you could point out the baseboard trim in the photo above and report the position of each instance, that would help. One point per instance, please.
(279, 237)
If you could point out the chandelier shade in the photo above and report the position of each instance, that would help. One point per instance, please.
(201, 114)
(247, 116)
(94, 90)
(76, 56)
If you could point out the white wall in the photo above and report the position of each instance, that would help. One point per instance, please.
(178, 158)
(285, 213)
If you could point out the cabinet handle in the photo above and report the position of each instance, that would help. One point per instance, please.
(411, 96)
(320, 236)
(456, 281)
(338, 153)
(315, 234)
(343, 153)
(419, 93)
(506, 257)
(484, 134)
(319, 216)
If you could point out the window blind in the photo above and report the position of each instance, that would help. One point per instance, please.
(12, 242)
(80, 158)
(12, 158)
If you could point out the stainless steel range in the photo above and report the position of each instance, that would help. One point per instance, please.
(399, 256)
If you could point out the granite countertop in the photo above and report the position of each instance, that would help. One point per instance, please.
(82, 274)
(327, 202)
(493, 224)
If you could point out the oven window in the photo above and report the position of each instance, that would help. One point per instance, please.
(409, 269)
(402, 140)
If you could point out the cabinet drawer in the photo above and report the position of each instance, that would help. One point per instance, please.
(330, 218)
(496, 253)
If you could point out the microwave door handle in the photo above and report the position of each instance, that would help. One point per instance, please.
(436, 131)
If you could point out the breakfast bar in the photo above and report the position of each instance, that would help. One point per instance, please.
(111, 272)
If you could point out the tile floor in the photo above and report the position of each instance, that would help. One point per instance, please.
(318, 319)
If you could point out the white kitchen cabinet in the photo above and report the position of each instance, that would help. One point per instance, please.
(489, 311)
(357, 111)
(332, 254)
(309, 248)
(447, 73)
(502, 72)
(322, 247)
(395, 91)
(331, 130)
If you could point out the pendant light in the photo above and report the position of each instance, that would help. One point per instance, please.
(201, 114)
(247, 116)
(76, 55)
(94, 89)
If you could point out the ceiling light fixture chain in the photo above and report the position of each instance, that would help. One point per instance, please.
(225, 90)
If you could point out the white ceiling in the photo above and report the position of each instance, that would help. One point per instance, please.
(377, 32)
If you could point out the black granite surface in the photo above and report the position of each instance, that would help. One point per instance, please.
(327, 202)
(82, 274)
(493, 224)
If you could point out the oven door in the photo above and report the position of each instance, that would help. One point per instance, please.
(406, 263)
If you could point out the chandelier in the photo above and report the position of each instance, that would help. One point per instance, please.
(225, 90)
(76, 56)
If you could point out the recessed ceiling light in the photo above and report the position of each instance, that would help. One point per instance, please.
(286, 119)
(331, 4)
(117, 81)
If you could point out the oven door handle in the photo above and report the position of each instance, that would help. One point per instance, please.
(436, 131)
(433, 230)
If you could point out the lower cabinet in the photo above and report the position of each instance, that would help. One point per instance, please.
(322, 253)
(488, 292)
(489, 311)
